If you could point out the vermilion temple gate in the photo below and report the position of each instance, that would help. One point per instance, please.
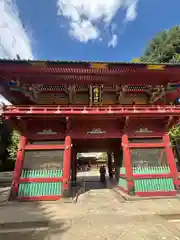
(126, 108)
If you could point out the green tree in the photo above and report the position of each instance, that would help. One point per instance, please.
(13, 147)
(164, 47)
(175, 135)
(175, 132)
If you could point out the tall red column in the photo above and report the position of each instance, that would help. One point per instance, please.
(127, 163)
(18, 166)
(170, 158)
(67, 166)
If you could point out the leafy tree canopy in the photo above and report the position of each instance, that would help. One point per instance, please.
(175, 133)
(164, 47)
(13, 147)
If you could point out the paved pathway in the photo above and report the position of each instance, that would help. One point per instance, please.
(99, 214)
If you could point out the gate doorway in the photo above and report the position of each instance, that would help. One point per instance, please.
(87, 158)
(88, 166)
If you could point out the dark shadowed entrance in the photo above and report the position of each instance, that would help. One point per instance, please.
(87, 168)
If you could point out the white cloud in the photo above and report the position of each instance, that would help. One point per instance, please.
(84, 31)
(13, 35)
(113, 41)
(131, 13)
(84, 16)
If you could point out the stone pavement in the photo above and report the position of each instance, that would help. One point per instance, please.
(100, 214)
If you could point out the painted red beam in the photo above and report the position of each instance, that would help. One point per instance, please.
(146, 145)
(157, 193)
(37, 180)
(152, 194)
(46, 137)
(45, 147)
(40, 198)
(67, 111)
(148, 176)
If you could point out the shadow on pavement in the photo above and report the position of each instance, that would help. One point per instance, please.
(28, 220)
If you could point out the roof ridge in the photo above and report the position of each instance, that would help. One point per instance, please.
(81, 62)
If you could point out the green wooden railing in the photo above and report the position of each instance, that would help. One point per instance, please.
(147, 170)
(40, 189)
(152, 185)
(28, 189)
(41, 173)
(163, 184)
(151, 170)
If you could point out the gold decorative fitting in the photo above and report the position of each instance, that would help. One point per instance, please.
(98, 65)
(38, 64)
(67, 148)
(155, 67)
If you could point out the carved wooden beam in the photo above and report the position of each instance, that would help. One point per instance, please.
(119, 93)
(158, 94)
(70, 94)
(66, 89)
(90, 95)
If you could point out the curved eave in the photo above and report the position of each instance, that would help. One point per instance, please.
(73, 72)
(82, 64)
(54, 73)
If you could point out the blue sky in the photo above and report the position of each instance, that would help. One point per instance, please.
(105, 30)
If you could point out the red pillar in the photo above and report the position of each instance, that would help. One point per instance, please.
(67, 165)
(18, 166)
(170, 158)
(127, 163)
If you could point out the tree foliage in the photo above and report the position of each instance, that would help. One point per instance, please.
(164, 47)
(175, 134)
(13, 147)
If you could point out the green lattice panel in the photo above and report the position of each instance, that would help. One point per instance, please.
(40, 189)
(45, 173)
(123, 183)
(147, 170)
(149, 185)
(151, 170)
(152, 185)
